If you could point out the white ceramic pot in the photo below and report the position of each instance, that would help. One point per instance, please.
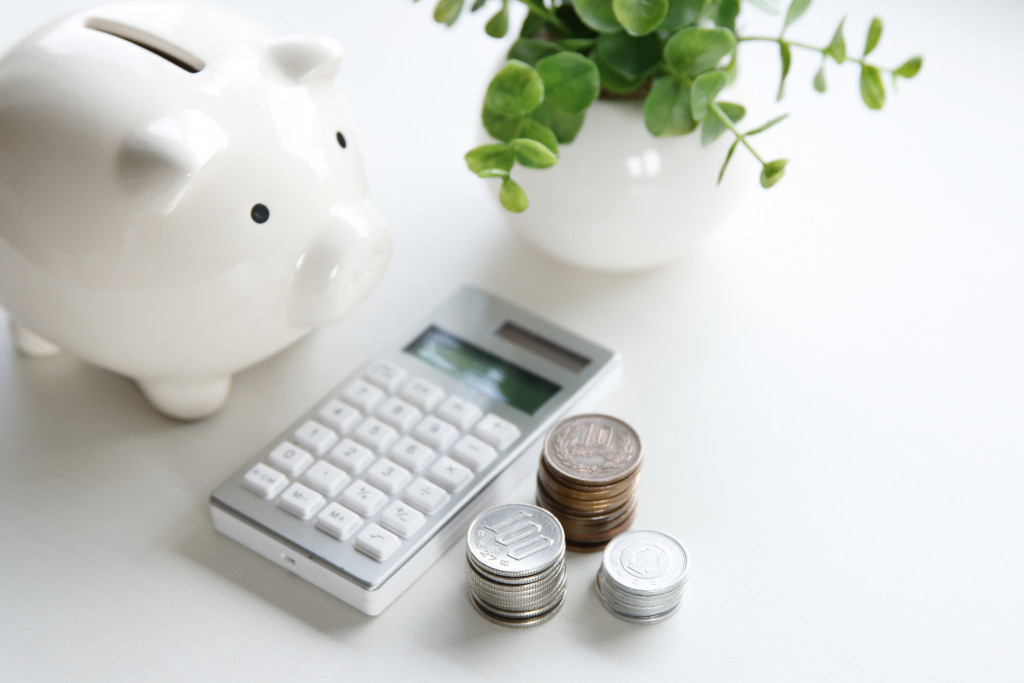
(620, 199)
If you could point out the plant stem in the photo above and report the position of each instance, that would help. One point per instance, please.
(735, 131)
(814, 48)
(540, 10)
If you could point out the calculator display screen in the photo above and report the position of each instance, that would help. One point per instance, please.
(483, 371)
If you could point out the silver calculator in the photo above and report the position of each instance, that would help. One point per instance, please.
(372, 484)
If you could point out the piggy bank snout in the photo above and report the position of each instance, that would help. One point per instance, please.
(346, 258)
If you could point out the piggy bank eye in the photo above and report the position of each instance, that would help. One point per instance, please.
(341, 140)
(260, 213)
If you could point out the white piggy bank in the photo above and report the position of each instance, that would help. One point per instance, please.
(181, 196)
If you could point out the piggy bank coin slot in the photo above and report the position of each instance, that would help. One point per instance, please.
(174, 54)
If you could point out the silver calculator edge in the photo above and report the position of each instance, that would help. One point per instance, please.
(473, 316)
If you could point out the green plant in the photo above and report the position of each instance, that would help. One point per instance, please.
(677, 55)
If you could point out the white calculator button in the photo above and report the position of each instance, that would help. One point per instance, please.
(377, 542)
(422, 393)
(384, 374)
(435, 433)
(402, 519)
(316, 437)
(338, 521)
(301, 501)
(375, 434)
(449, 474)
(459, 412)
(290, 459)
(326, 478)
(473, 453)
(411, 453)
(496, 431)
(425, 496)
(264, 481)
(387, 476)
(399, 414)
(341, 416)
(351, 456)
(362, 395)
(363, 498)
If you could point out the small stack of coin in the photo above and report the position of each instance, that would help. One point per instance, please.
(515, 564)
(588, 475)
(643, 575)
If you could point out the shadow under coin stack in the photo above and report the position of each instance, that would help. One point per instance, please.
(588, 475)
(643, 575)
(515, 564)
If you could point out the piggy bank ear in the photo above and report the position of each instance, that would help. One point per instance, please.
(303, 58)
(157, 161)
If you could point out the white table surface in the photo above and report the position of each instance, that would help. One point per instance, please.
(831, 395)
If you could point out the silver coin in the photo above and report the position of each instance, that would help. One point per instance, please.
(479, 584)
(516, 540)
(594, 449)
(520, 603)
(646, 562)
(519, 623)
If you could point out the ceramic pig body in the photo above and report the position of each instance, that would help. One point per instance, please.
(181, 196)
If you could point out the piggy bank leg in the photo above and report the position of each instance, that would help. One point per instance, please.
(30, 343)
(187, 398)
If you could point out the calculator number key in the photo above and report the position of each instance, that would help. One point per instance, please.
(449, 474)
(290, 459)
(387, 476)
(264, 481)
(362, 395)
(422, 393)
(496, 431)
(459, 412)
(316, 437)
(363, 498)
(425, 496)
(473, 453)
(399, 414)
(326, 478)
(340, 416)
(338, 521)
(411, 453)
(402, 519)
(351, 456)
(435, 433)
(375, 434)
(377, 542)
(301, 501)
(385, 375)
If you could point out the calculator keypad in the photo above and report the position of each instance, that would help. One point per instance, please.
(380, 458)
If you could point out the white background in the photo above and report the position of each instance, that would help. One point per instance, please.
(830, 393)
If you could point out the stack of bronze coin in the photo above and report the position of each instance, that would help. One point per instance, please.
(589, 470)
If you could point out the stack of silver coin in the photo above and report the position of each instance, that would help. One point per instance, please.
(643, 575)
(515, 564)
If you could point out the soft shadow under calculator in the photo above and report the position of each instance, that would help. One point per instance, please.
(366, 489)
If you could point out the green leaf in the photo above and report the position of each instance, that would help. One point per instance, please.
(725, 13)
(702, 93)
(577, 44)
(515, 90)
(640, 17)
(680, 13)
(535, 130)
(597, 14)
(872, 90)
(565, 125)
(768, 6)
(531, 51)
(765, 126)
(695, 50)
(713, 126)
(795, 11)
(447, 11)
(497, 26)
(489, 161)
(532, 24)
(533, 154)
(667, 108)
(909, 68)
(612, 79)
(632, 58)
(787, 59)
(512, 196)
(874, 35)
(477, 4)
(727, 158)
(837, 48)
(500, 126)
(773, 172)
(819, 79)
(571, 81)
